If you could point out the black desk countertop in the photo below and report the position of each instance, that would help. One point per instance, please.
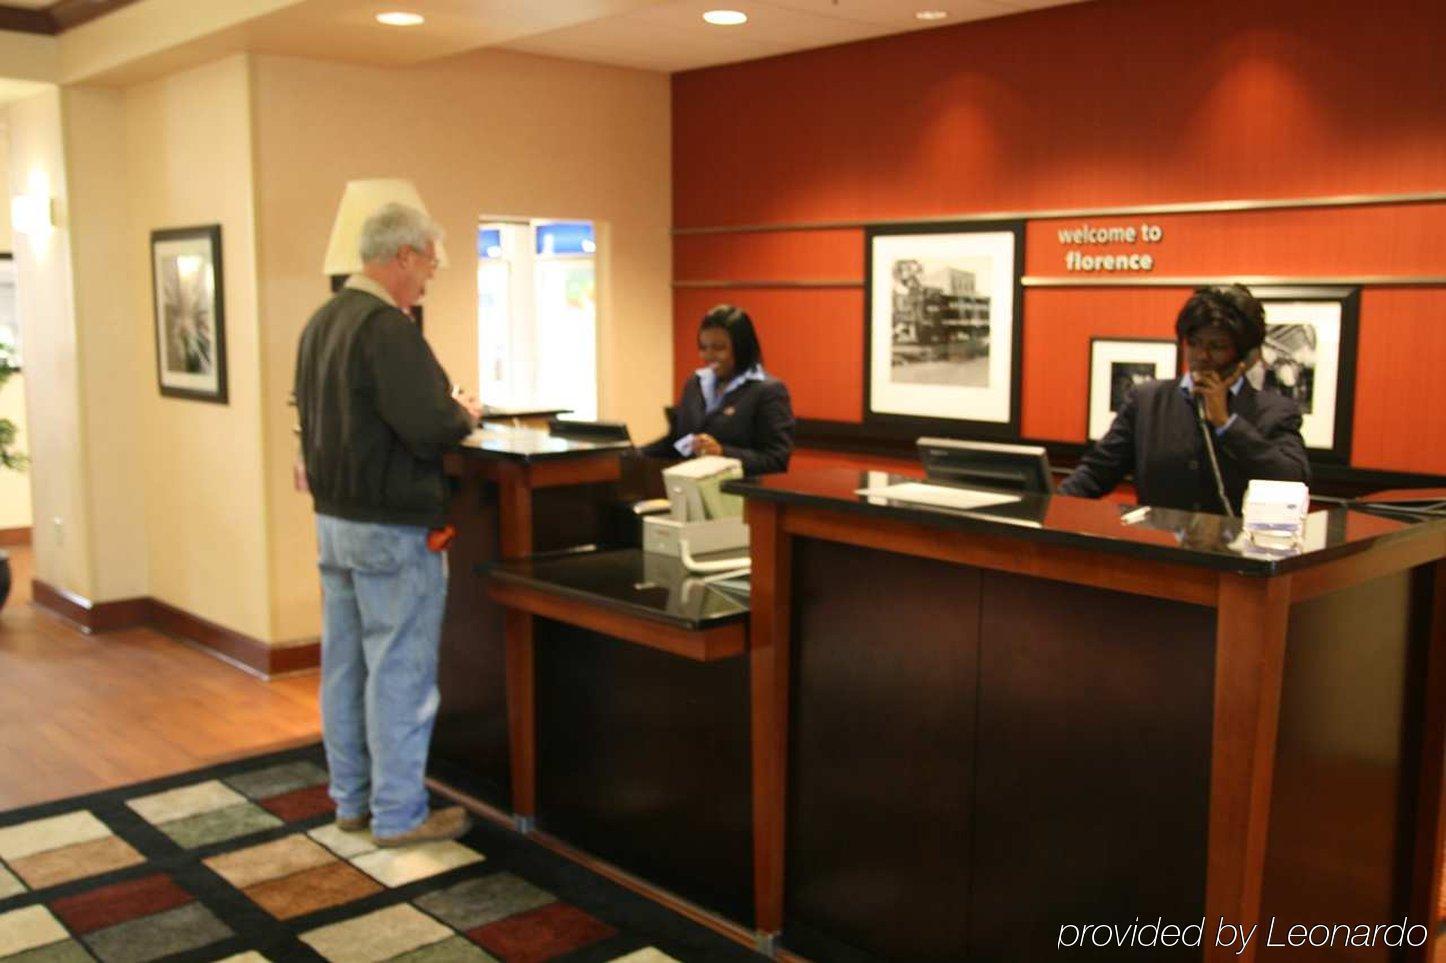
(629, 580)
(1162, 534)
(531, 444)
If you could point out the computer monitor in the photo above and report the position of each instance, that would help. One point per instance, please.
(985, 464)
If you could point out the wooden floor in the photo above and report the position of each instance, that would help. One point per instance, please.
(83, 713)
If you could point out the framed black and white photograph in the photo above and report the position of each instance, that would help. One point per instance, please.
(1118, 365)
(189, 312)
(942, 327)
(1309, 355)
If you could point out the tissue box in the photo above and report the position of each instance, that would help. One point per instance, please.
(1276, 508)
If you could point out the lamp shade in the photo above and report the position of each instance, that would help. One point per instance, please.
(359, 201)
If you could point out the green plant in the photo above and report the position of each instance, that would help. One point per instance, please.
(8, 457)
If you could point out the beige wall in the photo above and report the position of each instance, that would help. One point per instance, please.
(52, 357)
(15, 485)
(5, 191)
(490, 132)
(188, 151)
(28, 56)
(113, 470)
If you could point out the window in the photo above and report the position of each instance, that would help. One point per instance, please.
(537, 315)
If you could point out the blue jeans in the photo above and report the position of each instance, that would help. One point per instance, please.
(381, 627)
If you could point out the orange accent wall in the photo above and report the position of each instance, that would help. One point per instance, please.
(1113, 102)
(813, 339)
(1090, 104)
(1391, 239)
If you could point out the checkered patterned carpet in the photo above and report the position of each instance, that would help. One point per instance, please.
(242, 863)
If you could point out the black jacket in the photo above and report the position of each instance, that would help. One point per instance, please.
(1156, 435)
(753, 424)
(376, 414)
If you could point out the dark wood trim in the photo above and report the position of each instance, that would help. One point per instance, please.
(1396, 556)
(553, 473)
(239, 648)
(1180, 583)
(91, 617)
(662, 897)
(1430, 849)
(14, 536)
(682, 907)
(1341, 481)
(514, 509)
(250, 654)
(22, 20)
(700, 645)
(521, 709)
(1249, 669)
(68, 14)
(72, 608)
(771, 551)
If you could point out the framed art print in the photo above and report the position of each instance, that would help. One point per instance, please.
(1309, 355)
(190, 319)
(942, 327)
(1116, 366)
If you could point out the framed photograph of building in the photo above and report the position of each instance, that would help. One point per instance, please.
(942, 327)
(189, 312)
(1309, 354)
(1116, 366)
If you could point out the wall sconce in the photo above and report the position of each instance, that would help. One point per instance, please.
(32, 214)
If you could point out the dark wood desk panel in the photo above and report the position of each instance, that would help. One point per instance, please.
(470, 741)
(504, 480)
(881, 758)
(642, 760)
(1262, 633)
(1094, 764)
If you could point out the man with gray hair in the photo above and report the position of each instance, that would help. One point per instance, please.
(376, 415)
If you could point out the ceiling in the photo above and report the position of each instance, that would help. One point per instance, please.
(672, 36)
(660, 35)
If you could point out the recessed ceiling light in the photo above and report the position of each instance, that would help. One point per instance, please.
(931, 14)
(725, 18)
(396, 18)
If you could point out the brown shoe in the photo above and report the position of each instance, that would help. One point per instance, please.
(440, 824)
(353, 824)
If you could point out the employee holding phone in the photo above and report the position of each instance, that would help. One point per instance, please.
(1160, 431)
(731, 406)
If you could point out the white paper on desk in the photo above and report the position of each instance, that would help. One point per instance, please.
(941, 496)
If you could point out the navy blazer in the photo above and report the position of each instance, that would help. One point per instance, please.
(1156, 435)
(753, 424)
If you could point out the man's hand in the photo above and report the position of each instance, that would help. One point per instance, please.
(469, 403)
(706, 445)
(1215, 390)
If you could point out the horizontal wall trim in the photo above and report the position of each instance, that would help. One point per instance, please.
(15, 536)
(1187, 281)
(1188, 207)
(1125, 281)
(730, 283)
(235, 648)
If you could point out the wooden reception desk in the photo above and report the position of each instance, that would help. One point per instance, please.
(971, 729)
(517, 491)
(946, 735)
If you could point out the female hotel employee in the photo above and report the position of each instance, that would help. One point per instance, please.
(1157, 433)
(730, 406)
